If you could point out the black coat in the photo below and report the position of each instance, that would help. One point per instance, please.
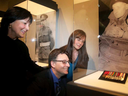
(42, 85)
(16, 64)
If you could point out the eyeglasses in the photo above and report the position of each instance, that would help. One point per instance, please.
(63, 61)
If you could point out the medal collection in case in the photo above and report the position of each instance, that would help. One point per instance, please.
(118, 77)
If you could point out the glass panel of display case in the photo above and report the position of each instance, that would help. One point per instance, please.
(113, 29)
(40, 38)
(86, 19)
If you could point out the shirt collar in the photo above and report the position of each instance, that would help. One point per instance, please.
(55, 79)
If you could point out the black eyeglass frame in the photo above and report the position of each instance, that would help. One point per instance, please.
(63, 61)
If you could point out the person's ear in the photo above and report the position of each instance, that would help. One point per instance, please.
(10, 25)
(53, 64)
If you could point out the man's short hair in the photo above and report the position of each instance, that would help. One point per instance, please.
(54, 53)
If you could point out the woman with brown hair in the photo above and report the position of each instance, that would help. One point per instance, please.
(76, 49)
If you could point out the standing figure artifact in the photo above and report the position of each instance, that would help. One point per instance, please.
(45, 39)
(114, 40)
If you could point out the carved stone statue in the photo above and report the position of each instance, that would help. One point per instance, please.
(113, 47)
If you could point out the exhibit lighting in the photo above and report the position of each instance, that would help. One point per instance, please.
(98, 36)
(33, 39)
(80, 1)
(0, 19)
(32, 7)
(34, 20)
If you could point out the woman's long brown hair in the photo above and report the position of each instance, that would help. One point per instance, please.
(82, 52)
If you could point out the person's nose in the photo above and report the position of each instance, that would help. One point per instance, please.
(80, 42)
(27, 27)
(68, 65)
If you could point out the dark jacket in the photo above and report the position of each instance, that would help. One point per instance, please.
(42, 85)
(16, 67)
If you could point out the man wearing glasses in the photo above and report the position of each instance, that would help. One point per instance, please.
(51, 82)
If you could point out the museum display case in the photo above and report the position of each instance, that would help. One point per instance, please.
(89, 81)
(43, 25)
(41, 34)
(90, 84)
(53, 23)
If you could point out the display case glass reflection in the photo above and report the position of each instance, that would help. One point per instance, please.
(40, 38)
